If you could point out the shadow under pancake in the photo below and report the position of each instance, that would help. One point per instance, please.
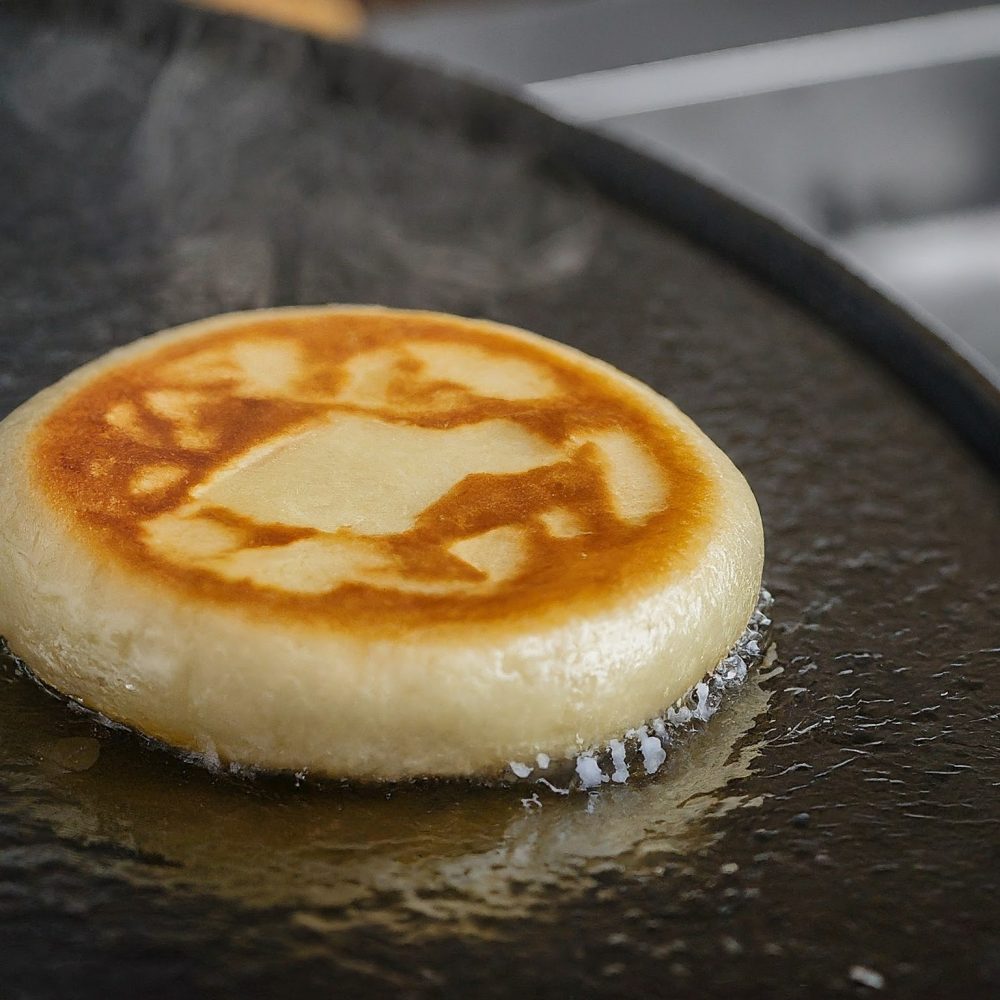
(416, 859)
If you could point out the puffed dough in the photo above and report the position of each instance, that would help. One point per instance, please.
(368, 543)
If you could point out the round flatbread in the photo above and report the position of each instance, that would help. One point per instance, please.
(368, 543)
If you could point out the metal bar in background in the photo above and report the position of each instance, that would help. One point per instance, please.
(844, 54)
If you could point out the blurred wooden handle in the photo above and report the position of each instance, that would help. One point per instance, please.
(331, 18)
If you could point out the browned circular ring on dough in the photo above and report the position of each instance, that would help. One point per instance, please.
(369, 542)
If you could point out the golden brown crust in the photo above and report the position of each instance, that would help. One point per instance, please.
(139, 440)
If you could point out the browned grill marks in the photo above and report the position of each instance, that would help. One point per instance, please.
(138, 444)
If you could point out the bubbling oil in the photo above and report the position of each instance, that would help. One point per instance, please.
(644, 750)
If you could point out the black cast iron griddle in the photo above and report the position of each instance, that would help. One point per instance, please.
(833, 831)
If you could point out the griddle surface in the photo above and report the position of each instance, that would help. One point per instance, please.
(842, 811)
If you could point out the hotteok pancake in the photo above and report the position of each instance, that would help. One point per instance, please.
(368, 543)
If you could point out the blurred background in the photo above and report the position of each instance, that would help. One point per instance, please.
(872, 123)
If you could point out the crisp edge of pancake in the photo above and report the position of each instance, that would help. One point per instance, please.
(210, 680)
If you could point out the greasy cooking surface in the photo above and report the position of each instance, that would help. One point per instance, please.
(837, 820)
(375, 469)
